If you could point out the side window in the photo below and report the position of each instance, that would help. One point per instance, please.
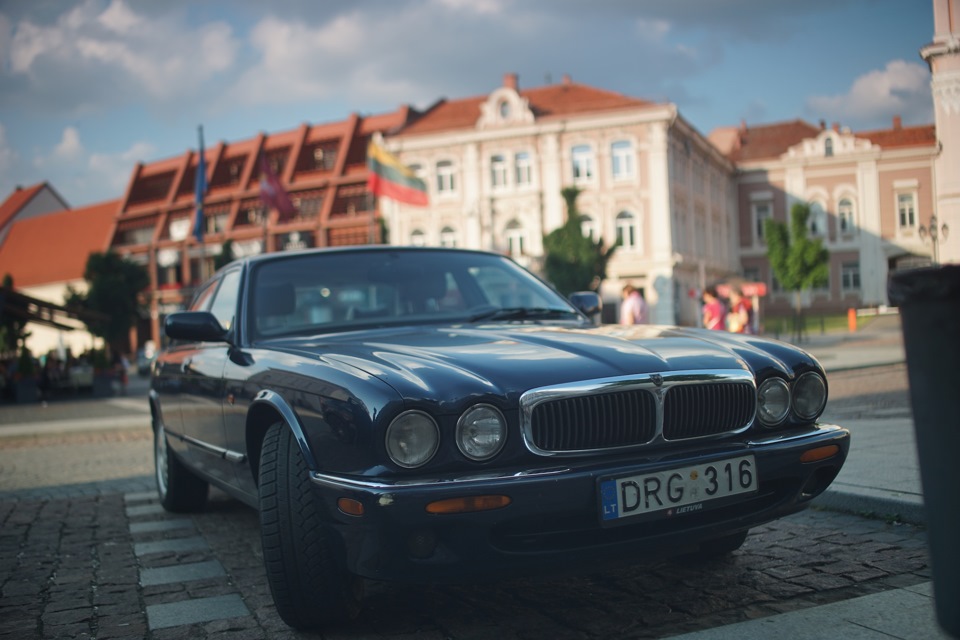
(202, 301)
(224, 306)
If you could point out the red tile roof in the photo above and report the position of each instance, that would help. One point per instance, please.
(925, 135)
(552, 101)
(770, 141)
(55, 247)
(17, 200)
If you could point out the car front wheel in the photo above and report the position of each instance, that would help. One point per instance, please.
(180, 491)
(303, 559)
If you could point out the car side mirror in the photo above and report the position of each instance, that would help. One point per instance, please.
(589, 303)
(194, 326)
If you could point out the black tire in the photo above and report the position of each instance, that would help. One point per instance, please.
(716, 548)
(179, 489)
(304, 564)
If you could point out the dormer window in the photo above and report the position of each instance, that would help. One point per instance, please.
(828, 147)
(504, 109)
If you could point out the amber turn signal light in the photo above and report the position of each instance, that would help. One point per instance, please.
(467, 505)
(820, 453)
(350, 506)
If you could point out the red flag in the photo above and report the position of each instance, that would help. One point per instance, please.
(272, 192)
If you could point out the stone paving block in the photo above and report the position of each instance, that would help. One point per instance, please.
(181, 573)
(161, 525)
(140, 510)
(174, 614)
(174, 545)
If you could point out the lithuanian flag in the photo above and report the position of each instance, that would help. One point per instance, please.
(386, 176)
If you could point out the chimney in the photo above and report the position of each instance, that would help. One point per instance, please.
(823, 125)
(836, 127)
(566, 79)
(897, 123)
(511, 81)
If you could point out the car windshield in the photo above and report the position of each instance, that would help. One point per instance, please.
(332, 291)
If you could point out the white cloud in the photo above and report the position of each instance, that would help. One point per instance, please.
(8, 155)
(96, 56)
(69, 148)
(901, 88)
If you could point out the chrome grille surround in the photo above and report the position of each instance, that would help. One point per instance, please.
(568, 406)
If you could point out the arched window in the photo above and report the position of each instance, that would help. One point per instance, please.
(817, 222)
(498, 172)
(626, 231)
(621, 158)
(448, 237)
(588, 227)
(524, 168)
(515, 239)
(845, 216)
(418, 238)
(445, 177)
(828, 147)
(582, 157)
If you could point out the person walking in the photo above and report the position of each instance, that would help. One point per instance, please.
(633, 308)
(714, 311)
(740, 316)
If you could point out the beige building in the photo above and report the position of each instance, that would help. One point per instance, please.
(870, 194)
(495, 167)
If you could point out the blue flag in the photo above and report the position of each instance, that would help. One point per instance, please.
(201, 189)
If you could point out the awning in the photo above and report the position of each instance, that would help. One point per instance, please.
(34, 310)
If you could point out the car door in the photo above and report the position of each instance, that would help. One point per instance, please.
(202, 396)
(168, 378)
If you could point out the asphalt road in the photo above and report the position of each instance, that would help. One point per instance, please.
(86, 552)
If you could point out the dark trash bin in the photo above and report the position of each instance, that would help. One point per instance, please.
(929, 301)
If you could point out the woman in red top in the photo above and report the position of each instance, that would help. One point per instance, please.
(714, 313)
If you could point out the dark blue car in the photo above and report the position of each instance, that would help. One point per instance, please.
(441, 415)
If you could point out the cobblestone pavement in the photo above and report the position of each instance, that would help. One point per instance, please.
(103, 560)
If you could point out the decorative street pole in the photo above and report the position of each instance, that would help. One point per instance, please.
(936, 232)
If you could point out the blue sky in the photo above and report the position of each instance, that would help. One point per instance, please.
(90, 87)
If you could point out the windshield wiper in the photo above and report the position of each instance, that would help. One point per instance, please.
(519, 313)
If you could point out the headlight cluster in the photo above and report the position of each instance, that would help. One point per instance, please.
(775, 399)
(414, 437)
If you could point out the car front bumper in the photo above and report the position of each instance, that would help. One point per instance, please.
(553, 521)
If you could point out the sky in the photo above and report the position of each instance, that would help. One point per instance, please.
(88, 88)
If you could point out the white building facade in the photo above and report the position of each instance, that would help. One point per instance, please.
(649, 181)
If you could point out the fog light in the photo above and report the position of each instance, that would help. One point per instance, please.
(421, 544)
(820, 453)
(350, 506)
(467, 505)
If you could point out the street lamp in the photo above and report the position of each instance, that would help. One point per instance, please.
(936, 233)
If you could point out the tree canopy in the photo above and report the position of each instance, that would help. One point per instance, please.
(573, 261)
(798, 262)
(114, 284)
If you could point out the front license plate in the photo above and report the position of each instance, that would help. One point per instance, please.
(677, 491)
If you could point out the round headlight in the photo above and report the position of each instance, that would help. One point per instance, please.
(809, 395)
(773, 401)
(412, 439)
(481, 432)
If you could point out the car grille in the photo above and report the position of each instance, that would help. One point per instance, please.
(695, 411)
(602, 421)
(623, 413)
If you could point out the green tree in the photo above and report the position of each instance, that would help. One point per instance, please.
(574, 262)
(798, 262)
(12, 329)
(225, 257)
(113, 286)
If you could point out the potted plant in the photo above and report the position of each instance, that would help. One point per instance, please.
(25, 387)
(102, 374)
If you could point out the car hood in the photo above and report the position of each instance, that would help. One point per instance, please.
(506, 360)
